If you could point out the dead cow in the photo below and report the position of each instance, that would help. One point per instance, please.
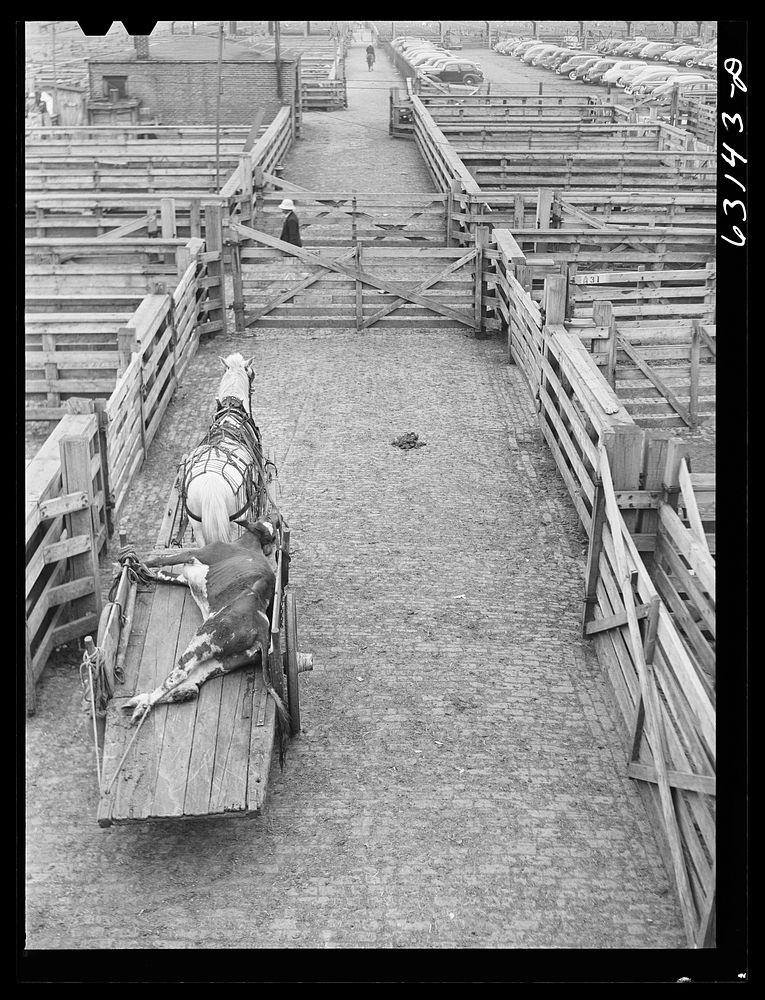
(233, 584)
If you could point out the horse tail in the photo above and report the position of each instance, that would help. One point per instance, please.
(214, 514)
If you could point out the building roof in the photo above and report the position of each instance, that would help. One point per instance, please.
(194, 48)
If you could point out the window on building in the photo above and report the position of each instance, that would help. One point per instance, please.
(118, 83)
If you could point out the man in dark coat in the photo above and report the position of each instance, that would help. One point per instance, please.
(291, 227)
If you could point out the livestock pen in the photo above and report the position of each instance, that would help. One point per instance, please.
(649, 573)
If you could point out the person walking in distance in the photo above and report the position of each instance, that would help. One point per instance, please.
(370, 57)
(291, 227)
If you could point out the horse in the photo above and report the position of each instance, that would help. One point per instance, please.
(218, 478)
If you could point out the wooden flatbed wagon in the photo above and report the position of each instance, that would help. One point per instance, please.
(210, 756)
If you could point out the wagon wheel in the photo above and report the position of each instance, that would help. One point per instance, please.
(291, 661)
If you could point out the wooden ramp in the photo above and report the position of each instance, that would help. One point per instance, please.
(206, 757)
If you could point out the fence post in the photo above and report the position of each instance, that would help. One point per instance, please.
(245, 165)
(544, 208)
(625, 459)
(594, 549)
(31, 694)
(182, 260)
(523, 277)
(555, 299)
(481, 242)
(216, 268)
(693, 402)
(236, 281)
(195, 218)
(603, 316)
(677, 450)
(127, 344)
(167, 209)
(75, 478)
(359, 292)
(103, 446)
(455, 186)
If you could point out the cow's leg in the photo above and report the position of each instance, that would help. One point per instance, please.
(200, 649)
(164, 577)
(205, 671)
(171, 558)
(224, 636)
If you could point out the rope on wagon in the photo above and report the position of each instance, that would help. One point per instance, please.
(95, 693)
(137, 572)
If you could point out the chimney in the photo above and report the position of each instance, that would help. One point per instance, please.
(141, 43)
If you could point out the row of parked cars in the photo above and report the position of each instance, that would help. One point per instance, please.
(640, 67)
(684, 55)
(435, 61)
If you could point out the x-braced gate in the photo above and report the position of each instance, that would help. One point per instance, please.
(277, 284)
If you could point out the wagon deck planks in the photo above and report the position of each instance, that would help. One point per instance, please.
(206, 757)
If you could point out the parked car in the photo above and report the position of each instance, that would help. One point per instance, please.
(634, 49)
(422, 57)
(574, 63)
(610, 44)
(511, 50)
(595, 73)
(545, 60)
(628, 75)
(632, 76)
(652, 78)
(457, 71)
(708, 62)
(533, 54)
(655, 49)
(559, 58)
(621, 48)
(678, 82)
(676, 54)
(619, 68)
(530, 51)
(692, 58)
(525, 45)
(579, 71)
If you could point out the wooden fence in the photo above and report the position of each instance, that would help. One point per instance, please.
(444, 166)
(73, 352)
(507, 168)
(654, 633)
(522, 108)
(65, 529)
(260, 164)
(545, 208)
(151, 351)
(322, 79)
(342, 218)
(662, 361)
(67, 214)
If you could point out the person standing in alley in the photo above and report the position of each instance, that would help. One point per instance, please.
(370, 57)
(291, 227)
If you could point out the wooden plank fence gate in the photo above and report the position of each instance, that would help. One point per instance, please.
(357, 286)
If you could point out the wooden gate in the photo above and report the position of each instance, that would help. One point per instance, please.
(277, 284)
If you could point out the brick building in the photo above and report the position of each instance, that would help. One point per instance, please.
(174, 82)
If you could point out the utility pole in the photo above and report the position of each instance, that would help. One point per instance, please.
(278, 48)
(217, 106)
(55, 75)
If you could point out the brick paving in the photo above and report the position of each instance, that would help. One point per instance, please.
(459, 781)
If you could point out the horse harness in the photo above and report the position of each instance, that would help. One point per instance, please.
(232, 430)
